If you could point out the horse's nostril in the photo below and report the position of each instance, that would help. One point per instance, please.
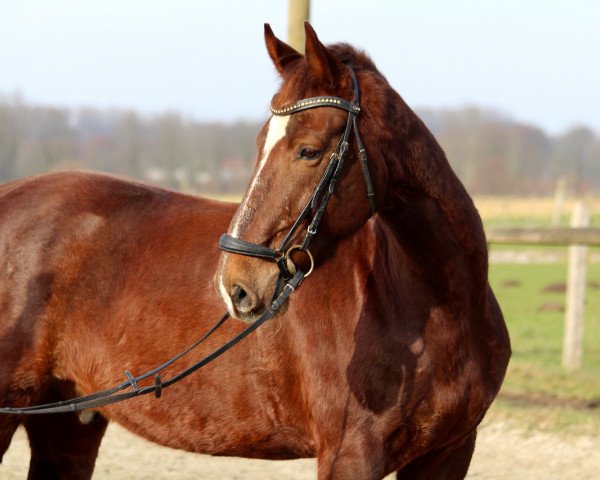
(243, 300)
(238, 293)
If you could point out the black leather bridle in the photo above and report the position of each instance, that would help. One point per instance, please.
(291, 279)
(322, 193)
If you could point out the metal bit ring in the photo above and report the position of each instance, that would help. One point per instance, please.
(310, 257)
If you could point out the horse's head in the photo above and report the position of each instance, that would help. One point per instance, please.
(302, 157)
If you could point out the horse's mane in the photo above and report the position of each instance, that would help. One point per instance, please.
(348, 55)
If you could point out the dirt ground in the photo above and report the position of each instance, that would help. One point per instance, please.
(501, 453)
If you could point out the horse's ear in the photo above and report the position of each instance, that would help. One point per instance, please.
(324, 65)
(280, 52)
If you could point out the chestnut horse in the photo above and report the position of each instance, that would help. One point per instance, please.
(385, 360)
(393, 349)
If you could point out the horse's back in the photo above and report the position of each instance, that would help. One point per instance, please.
(45, 214)
(69, 242)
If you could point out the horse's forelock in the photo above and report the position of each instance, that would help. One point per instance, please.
(300, 82)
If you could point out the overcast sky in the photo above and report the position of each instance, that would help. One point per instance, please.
(538, 61)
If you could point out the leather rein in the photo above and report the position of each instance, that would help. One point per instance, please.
(291, 278)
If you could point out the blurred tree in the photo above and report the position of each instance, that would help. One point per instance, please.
(11, 113)
(129, 141)
(491, 153)
(573, 153)
(54, 142)
(592, 166)
(527, 153)
(170, 147)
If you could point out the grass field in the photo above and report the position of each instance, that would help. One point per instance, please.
(524, 211)
(532, 298)
(537, 392)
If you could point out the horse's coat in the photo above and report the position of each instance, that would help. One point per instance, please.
(402, 298)
(386, 358)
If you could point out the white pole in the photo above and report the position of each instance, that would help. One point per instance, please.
(573, 338)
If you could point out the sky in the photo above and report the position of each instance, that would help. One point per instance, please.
(536, 61)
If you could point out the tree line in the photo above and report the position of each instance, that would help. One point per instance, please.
(491, 153)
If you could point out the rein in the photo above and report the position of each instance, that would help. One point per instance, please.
(111, 395)
(290, 277)
(322, 193)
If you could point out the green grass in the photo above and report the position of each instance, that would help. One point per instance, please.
(532, 222)
(537, 391)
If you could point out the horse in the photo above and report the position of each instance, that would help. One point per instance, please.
(394, 348)
(384, 360)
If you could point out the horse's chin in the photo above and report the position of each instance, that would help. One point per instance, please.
(252, 317)
(248, 318)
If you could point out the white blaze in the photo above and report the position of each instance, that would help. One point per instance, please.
(275, 132)
(223, 291)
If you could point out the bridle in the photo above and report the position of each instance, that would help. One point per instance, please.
(322, 193)
(290, 278)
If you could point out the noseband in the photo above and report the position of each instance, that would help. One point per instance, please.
(322, 193)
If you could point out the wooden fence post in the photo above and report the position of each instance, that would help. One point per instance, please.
(298, 12)
(573, 337)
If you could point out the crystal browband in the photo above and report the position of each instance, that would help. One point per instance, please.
(307, 103)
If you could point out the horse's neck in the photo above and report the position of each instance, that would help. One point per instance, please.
(434, 220)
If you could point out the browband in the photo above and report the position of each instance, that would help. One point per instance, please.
(313, 102)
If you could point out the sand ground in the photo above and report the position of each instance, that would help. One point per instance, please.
(501, 453)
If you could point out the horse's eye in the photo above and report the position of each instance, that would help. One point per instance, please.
(308, 153)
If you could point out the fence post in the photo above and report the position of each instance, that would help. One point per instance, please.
(573, 337)
(298, 11)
